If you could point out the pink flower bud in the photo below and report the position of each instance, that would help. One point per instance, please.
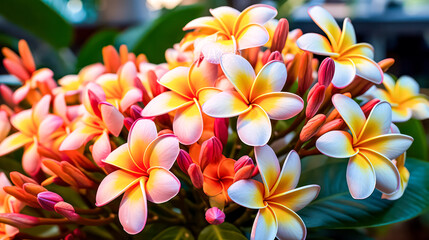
(184, 160)
(66, 210)
(197, 178)
(335, 124)
(128, 122)
(243, 161)
(215, 216)
(326, 72)
(280, 35)
(19, 220)
(245, 172)
(312, 127)
(47, 200)
(305, 73)
(94, 101)
(265, 56)
(7, 95)
(314, 100)
(367, 107)
(275, 56)
(211, 152)
(221, 129)
(135, 112)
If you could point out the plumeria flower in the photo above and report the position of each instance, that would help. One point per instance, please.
(228, 30)
(404, 98)
(8, 204)
(190, 87)
(350, 58)
(4, 125)
(256, 99)
(404, 177)
(369, 145)
(277, 198)
(144, 163)
(36, 127)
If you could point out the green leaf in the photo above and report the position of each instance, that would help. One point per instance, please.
(335, 208)
(174, 233)
(91, 50)
(155, 37)
(224, 231)
(39, 19)
(414, 128)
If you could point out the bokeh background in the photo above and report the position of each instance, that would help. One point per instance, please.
(66, 35)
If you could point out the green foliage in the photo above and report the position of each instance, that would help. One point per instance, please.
(174, 233)
(224, 231)
(39, 19)
(154, 38)
(414, 128)
(335, 208)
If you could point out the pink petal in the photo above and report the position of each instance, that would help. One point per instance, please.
(337, 144)
(253, 35)
(280, 105)
(31, 161)
(248, 193)
(188, 124)
(271, 78)
(78, 137)
(48, 126)
(114, 185)
(269, 167)
(112, 118)
(161, 185)
(121, 158)
(133, 209)
(127, 74)
(265, 225)
(360, 177)
(131, 97)
(142, 133)
(41, 109)
(164, 103)
(21, 93)
(101, 149)
(225, 104)
(162, 152)
(239, 71)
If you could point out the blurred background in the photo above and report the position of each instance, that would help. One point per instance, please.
(66, 35)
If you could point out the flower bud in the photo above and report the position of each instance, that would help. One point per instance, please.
(111, 59)
(312, 127)
(135, 112)
(60, 182)
(265, 56)
(335, 124)
(18, 179)
(94, 101)
(66, 210)
(305, 73)
(7, 95)
(275, 56)
(19, 220)
(184, 160)
(314, 100)
(326, 72)
(128, 122)
(280, 35)
(16, 69)
(21, 195)
(367, 107)
(165, 131)
(243, 161)
(215, 216)
(211, 152)
(385, 64)
(221, 129)
(33, 189)
(292, 72)
(197, 178)
(244, 172)
(48, 199)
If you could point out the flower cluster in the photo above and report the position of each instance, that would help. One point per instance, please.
(187, 132)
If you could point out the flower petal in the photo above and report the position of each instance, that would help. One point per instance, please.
(48, 126)
(133, 209)
(127, 75)
(254, 127)
(265, 225)
(131, 97)
(101, 148)
(79, 137)
(296, 199)
(401, 114)
(345, 72)
(367, 68)
(378, 122)
(280, 105)
(202, 75)
(406, 87)
(360, 177)
(161, 185)
(248, 193)
(269, 167)
(21, 93)
(350, 112)
(253, 35)
(337, 144)
(162, 152)
(142, 133)
(389, 145)
(290, 225)
(289, 175)
(114, 185)
(203, 22)
(257, 13)
(271, 78)
(112, 118)
(326, 22)
(315, 43)
(13, 142)
(239, 72)
(31, 161)
(226, 16)
(177, 81)
(23, 121)
(188, 124)
(419, 108)
(225, 104)
(120, 157)
(164, 103)
(41, 109)
(363, 49)
(348, 35)
(387, 175)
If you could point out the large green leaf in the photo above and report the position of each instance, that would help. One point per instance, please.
(335, 208)
(39, 19)
(415, 129)
(224, 231)
(155, 37)
(91, 50)
(174, 233)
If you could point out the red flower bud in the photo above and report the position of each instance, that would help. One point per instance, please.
(128, 122)
(47, 200)
(367, 107)
(215, 216)
(243, 161)
(280, 35)
(19, 220)
(305, 73)
(7, 95)
(211, 152)
(196, 175)
(94, 101)
(326, 72)
(312, 127)
(265, 56)
(314, 100)
(335, 124)
(66, 210)
(245, 172)
(221, 129)
(135, 112)
(275, 56)
(184, 160)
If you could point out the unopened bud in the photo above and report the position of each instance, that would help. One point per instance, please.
(18, 179)
(280, 35)
(33, 189)
(16, 69)
(305, 74)
(19, 220)
(165, 131)
(215, 216)
(135, 112)
(275, 56)
(265, 56)
(385, 64)
(243, 161)
(128, 122)
(292, 72)
(367, 107)
(312, 127)
(48, 199)
(335, 124)
(66, 210)
(7, 95)
(111, 59)
(60, 182)
(314, 100)
(184, 160)
(326, 72)
(245, 172)
(197, 178)
(211, 152)
(221, 129)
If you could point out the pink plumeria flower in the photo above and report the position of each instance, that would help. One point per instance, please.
(8, 204)
(190, 87)
(35, 127)
(144, 163)
(350, 58)
(257, 99)
(369, 145)
(404, 98)
(229, 30)
(277, 198)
